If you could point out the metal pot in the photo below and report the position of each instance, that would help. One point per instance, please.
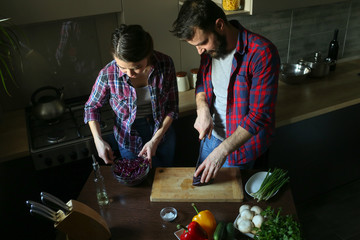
(319, 67)
(48, 103)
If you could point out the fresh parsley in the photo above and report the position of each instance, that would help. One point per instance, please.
(278, 227)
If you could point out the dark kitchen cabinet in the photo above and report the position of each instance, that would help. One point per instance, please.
(19, 181)
(320, 153)
(25, 12)
(187, 144)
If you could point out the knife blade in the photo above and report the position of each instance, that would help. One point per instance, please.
(196, 180)
(42, 214)
(54, 202)
(200, 152)
(41, 207)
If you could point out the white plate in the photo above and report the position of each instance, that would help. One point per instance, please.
(254, 183)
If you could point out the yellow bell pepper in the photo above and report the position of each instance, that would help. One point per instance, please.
(206, 220)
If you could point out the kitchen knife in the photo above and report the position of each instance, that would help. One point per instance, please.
(42, 214)
(54, 202)
(41, 207)
(200, 152)
(196, 180)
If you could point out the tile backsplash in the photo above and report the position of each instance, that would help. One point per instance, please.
(300, 32)
(64, 54)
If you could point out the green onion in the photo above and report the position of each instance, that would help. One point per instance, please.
(272, 183)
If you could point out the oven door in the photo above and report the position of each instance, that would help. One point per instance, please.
(65, 181)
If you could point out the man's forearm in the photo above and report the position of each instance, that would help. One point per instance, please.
(234, 141)
(200, 100)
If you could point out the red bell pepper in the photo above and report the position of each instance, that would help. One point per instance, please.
(193, 232)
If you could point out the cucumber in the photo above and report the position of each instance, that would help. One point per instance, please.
(230, 231)
(219, 231)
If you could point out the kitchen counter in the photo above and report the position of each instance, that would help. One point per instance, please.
(338, 90)
(13, 136)
(131, 213)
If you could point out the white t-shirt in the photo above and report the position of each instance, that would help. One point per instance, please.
(220, 78)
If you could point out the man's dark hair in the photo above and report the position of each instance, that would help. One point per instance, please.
(196, 13)
(131, 43)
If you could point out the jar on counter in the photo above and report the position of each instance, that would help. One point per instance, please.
(231, 5)
(193, 77)
(182, 81)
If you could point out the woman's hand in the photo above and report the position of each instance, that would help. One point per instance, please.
(104, 151)
(149, 150)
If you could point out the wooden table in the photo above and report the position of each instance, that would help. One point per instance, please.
(131, 215)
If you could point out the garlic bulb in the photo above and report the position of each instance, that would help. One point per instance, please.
(243, 207)
(256, 209)
(258, 220)
(245, 226)
(247, 214)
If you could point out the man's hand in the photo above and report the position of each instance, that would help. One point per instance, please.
(211, 165)
(204, 123)
(104, 151)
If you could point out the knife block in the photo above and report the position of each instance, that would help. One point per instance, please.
(82, 223)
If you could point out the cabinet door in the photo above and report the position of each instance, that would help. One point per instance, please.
(25, 11)
(264, 6)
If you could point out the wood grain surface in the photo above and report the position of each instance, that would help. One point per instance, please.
(175, 185)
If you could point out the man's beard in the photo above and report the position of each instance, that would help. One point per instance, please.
(221, 45)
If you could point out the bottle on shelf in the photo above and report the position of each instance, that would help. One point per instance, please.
(333, 50)
(101, 193)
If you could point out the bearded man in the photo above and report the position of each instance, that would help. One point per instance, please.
(236, 88)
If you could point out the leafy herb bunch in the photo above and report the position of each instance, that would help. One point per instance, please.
(278, 227)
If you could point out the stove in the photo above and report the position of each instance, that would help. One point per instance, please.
(66, 140)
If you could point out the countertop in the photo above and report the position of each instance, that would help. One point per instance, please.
(339, 89)
(131, 212)
(13, 136)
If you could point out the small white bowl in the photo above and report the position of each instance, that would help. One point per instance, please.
(168, 214)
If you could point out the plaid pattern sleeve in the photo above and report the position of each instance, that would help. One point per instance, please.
(99, 94)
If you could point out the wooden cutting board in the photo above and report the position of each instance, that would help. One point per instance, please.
(175, 185)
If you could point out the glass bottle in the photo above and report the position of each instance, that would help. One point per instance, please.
(101, 193)
(333, 50)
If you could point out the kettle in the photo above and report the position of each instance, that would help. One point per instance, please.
(48, 103)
